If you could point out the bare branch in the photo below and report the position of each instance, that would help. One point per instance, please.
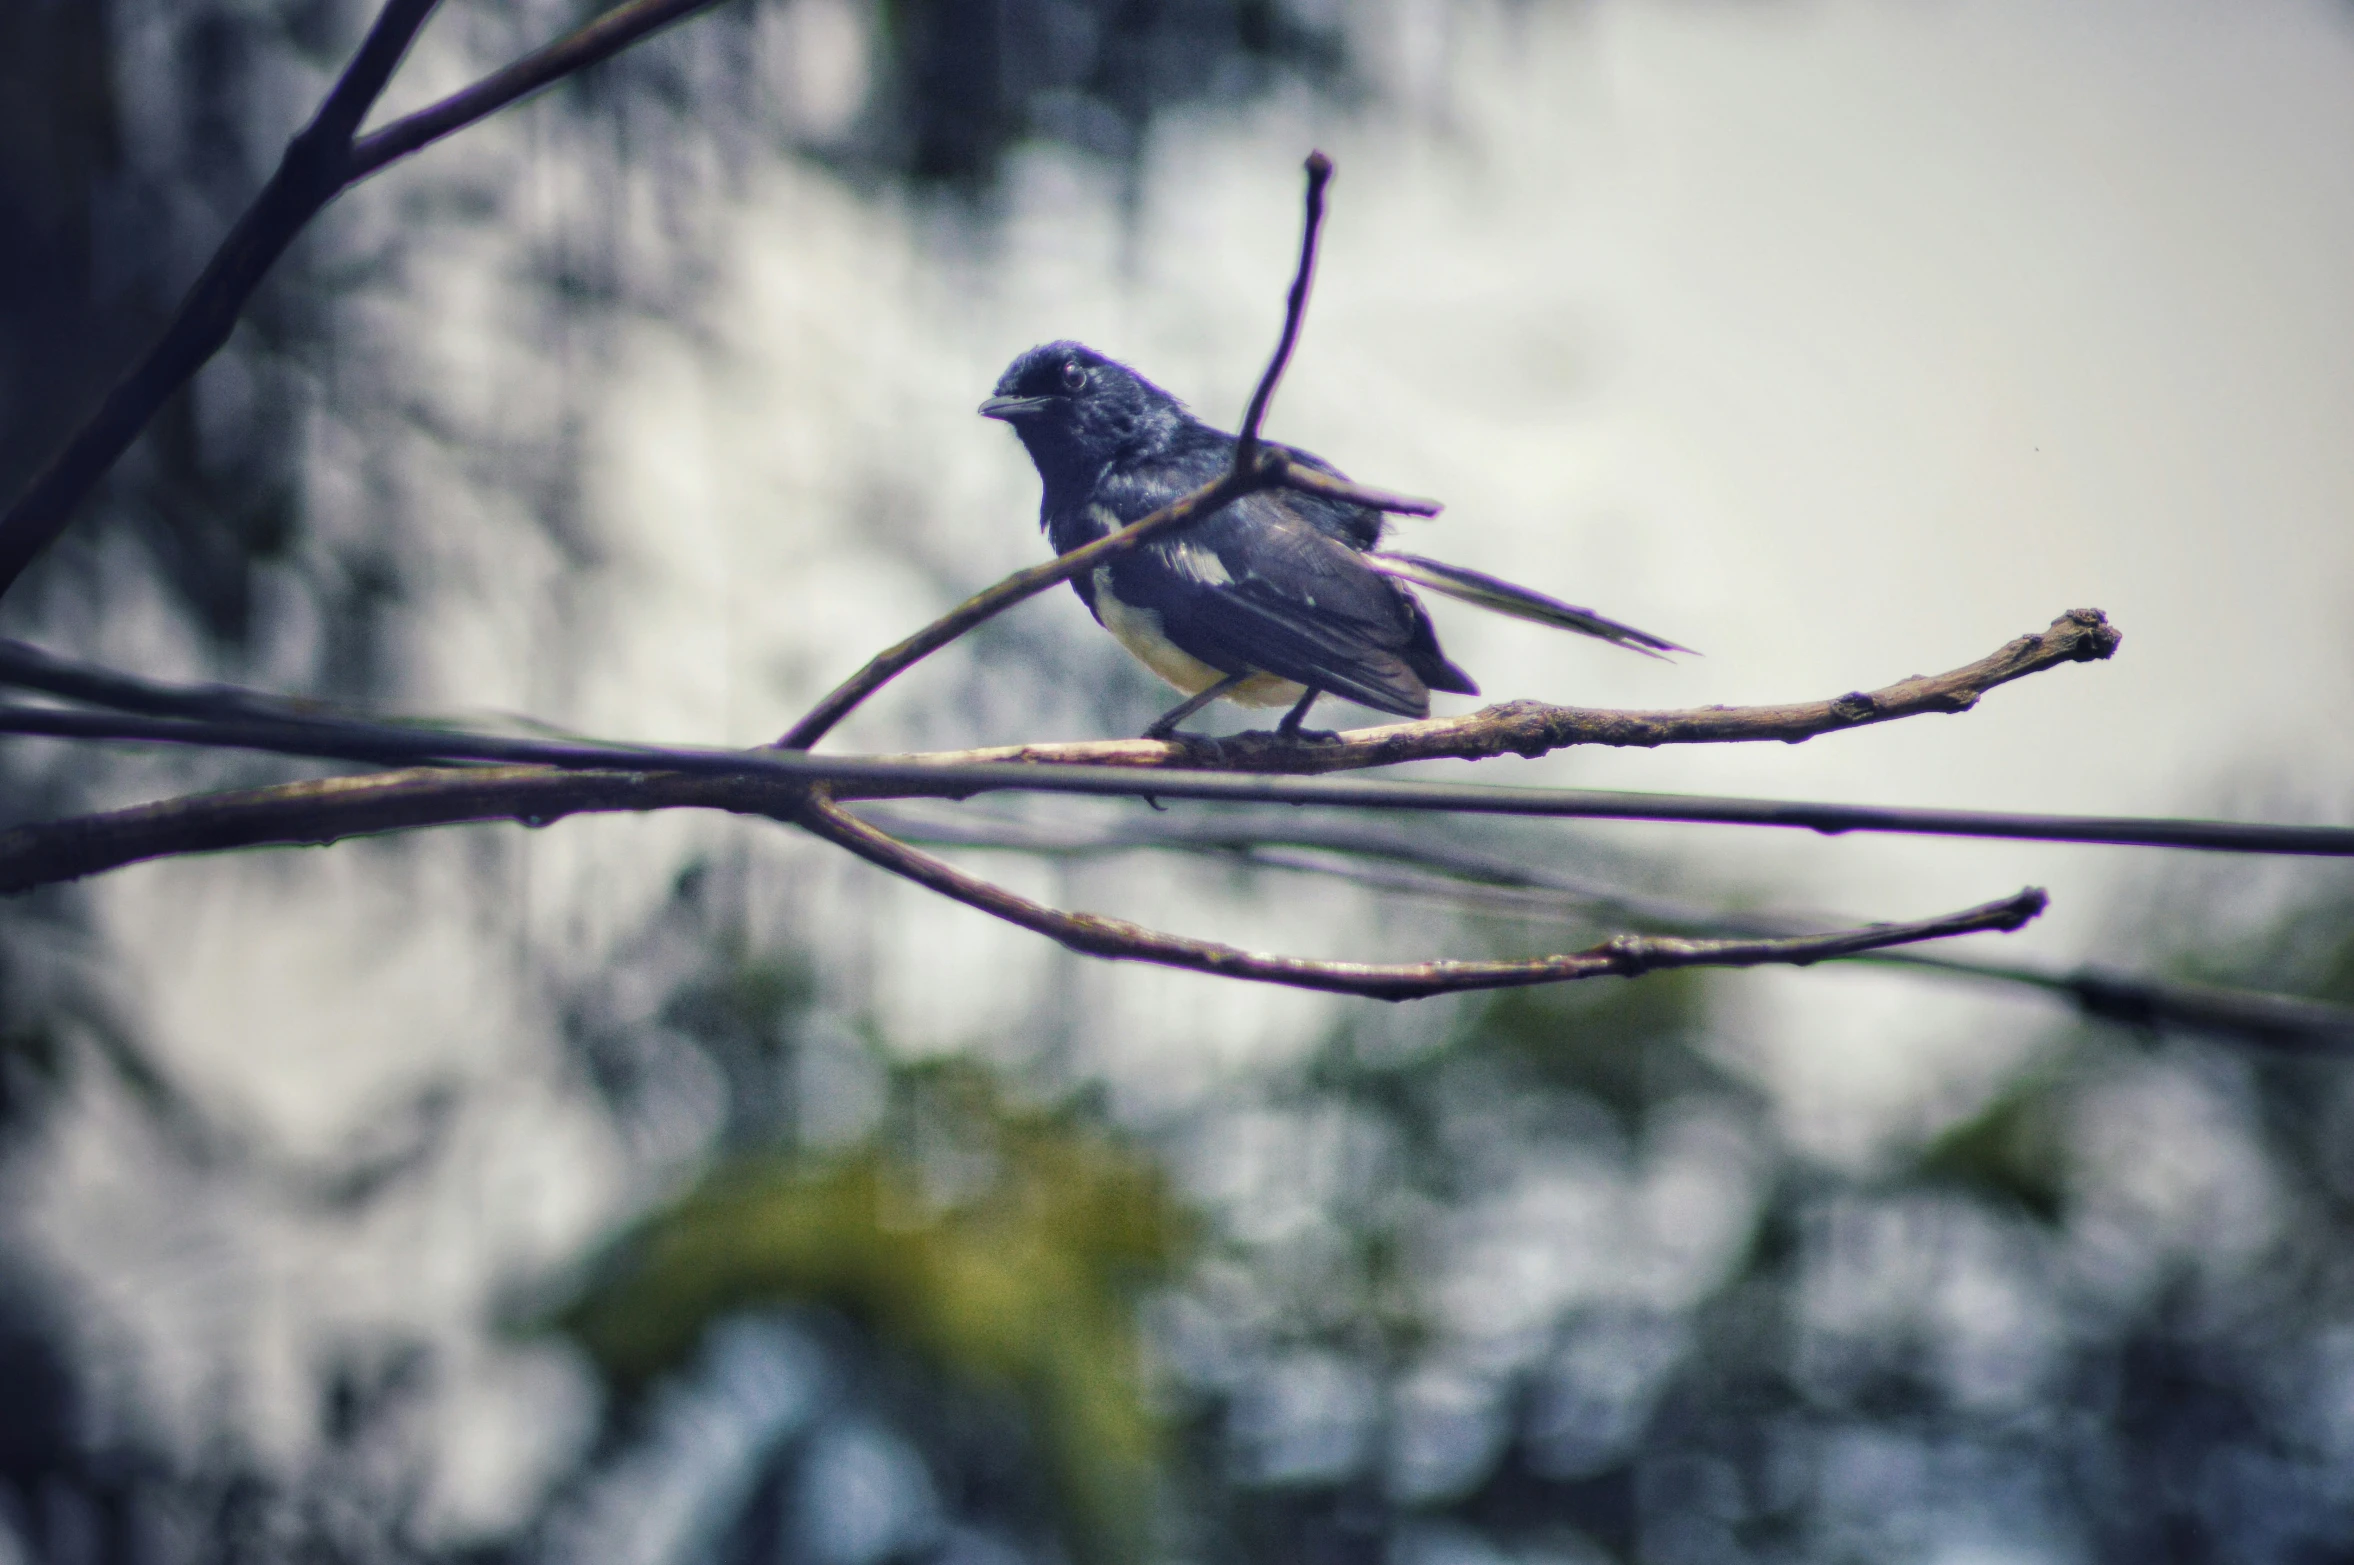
(1272, 470)
(318, 812)
(1534, 728)
(1518, 886)
(889, 664)
(1624, 956)
(320, 163)
(769, 782)
(580, 779)
(364, 80)
(1523, 728)
(316, 165)
(1295, 308)
(30, 668)
(1310, 481)
(599, 40)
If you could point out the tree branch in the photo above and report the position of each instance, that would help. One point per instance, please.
(1533, 728)
(1623, 956)
(595, 41)
(889, 664)
(1295, 309)
(320, 163)
(535, 780)
(1473, 880)
(315, 166)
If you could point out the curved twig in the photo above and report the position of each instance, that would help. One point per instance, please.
(1272, 469)
(1471, 879)
(1623, 956)
(1295, 309)
(889, 664)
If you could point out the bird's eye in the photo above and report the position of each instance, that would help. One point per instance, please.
(1074, 378)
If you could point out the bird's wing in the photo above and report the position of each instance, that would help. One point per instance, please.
(1257, 586)
(1493, 592)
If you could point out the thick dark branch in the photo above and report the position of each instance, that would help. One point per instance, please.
(321, 162)
(608, 35)
(364, 80)
(1533, 728)
(29, 668)
(317, 165)
(585, 779)
(1624, 956)
(316, 813)
(639, 777)
(1295, 309)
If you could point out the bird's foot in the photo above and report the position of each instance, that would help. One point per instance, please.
(1307, 735)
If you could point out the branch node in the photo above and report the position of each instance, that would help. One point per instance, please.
(1857, 706)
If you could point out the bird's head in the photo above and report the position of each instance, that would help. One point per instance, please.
(1076, 410)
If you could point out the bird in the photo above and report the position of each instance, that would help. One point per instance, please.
(1277, 598)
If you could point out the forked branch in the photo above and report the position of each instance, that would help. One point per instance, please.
(1622, 956)
(475, 777)
(320, 163)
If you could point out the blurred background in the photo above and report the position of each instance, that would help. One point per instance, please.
(671, 1189)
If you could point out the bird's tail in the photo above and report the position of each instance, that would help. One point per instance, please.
(1493, 592)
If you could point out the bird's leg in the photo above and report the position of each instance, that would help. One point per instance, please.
(1166, 724)
(1290, 728)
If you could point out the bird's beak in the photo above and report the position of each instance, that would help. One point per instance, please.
(1011, 408)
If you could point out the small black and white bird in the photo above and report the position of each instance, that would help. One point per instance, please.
(1275, 599)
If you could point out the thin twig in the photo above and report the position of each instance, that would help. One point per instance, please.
(889, 664)
(595, 41)
(1253, 470)
(30, 668)
(364, 80)
(1623, 956)
(1519, 886)
(1295, 308)
(1273, 469)
(320, 163)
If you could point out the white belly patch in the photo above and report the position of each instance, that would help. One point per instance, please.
(1140, 632)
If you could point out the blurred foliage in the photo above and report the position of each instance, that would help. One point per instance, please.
(1000, 1245)
(2012, 1150)
(969, 82)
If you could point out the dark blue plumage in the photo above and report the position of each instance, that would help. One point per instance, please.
(1272, 599)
